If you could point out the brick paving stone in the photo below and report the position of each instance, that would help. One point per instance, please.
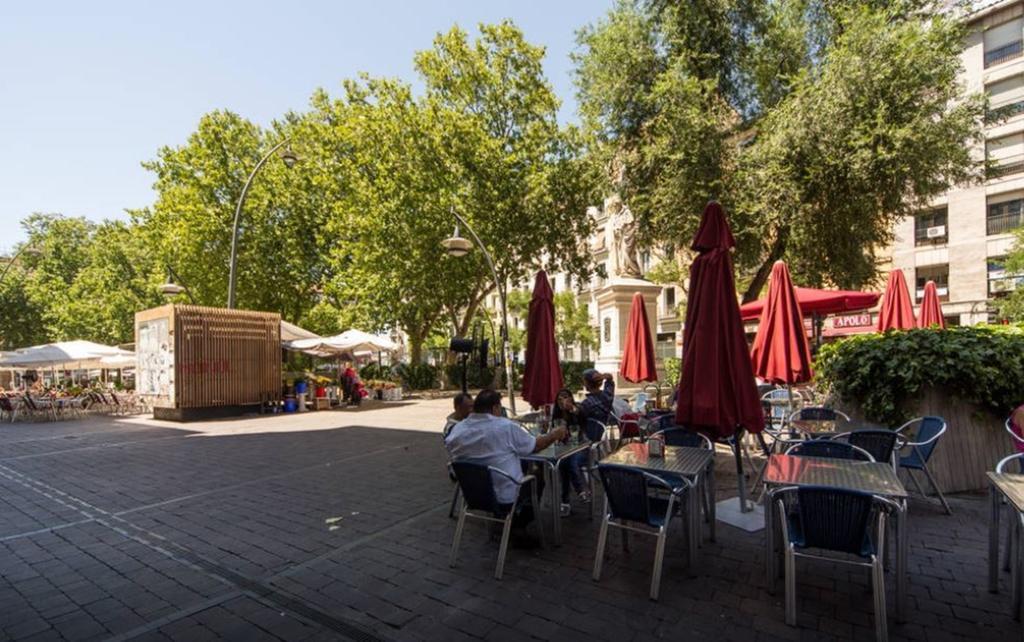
(157, 529)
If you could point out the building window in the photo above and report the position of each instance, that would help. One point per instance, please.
(585, 353)
(1006, 153)
(1004, 42)
(1004, 217)
(930, 227)
(1000, 281)
(665, 345)
(645, 262)
(1006, 98)
(568, 281)
(937, 273)
(569, 352)
(669, 296)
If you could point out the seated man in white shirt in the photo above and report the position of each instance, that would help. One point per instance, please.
(488, 438)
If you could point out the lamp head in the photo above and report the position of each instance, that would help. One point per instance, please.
(456, 244)
(170, 288)
(288, 156)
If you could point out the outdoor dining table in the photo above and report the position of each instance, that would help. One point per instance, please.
(867, 477)
(694, 464)
(550, 459)
(1008, 486)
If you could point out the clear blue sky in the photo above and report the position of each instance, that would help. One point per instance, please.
(88, 90)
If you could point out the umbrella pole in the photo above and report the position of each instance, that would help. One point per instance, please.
(737, 450)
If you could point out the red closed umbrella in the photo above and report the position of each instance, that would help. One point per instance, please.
(897, 312)
(931, 310)
(638, 357)
(717, 394)
(542, 376)
(780, 353)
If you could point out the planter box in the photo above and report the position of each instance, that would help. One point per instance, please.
(394, 394)
(974, 442)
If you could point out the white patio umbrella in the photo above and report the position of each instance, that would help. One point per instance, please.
(348, 342)
(53, 355)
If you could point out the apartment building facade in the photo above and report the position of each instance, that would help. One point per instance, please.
(961, 240)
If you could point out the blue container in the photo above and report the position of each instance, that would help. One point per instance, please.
(290, 405)
(300, 387)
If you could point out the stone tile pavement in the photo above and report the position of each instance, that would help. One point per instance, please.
(334, 526)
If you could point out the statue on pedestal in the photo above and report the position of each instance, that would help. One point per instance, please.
(624, 234)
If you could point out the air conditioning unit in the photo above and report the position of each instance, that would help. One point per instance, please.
(1003, 285)
(936, 231)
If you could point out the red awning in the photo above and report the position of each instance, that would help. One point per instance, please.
(819, 302)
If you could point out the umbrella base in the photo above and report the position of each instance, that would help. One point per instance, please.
(728, 511)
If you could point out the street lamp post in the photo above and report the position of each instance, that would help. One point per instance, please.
(25, 249)
(289, 159)
(459, 246)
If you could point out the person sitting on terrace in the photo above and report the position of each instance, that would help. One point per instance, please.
(566, 411)
(488, 438)
(463, 405)
(596, 407)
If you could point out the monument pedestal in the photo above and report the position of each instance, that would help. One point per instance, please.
(614, 301)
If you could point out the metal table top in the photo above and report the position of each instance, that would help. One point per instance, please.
(868, 477)
(557, 451)
(686, 462)
(1011, 485)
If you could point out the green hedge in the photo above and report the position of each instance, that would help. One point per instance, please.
(476, 377)
(982, 365)
(672, 366)
(572, 373)
(374, 371)
(418, 376)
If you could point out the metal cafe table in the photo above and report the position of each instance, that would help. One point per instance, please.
(867, 477)
(1011, 487)
(551, 458)
(694, 464)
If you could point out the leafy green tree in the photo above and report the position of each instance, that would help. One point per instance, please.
(817, 124)
(572, 322)
(1011, 306)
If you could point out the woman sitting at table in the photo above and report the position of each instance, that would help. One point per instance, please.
(566, 411)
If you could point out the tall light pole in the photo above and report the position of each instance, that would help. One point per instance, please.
(459, 246)
(28, 248)
(289, 158)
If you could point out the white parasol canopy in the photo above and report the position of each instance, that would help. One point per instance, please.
(81, 354)
(348, 342)
(291, 332)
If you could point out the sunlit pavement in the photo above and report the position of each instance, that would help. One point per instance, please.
(333, 525)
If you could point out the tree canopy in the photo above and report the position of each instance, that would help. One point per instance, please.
(817, 124)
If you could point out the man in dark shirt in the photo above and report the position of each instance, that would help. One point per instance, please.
(596, 407)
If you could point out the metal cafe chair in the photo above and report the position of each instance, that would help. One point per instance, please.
(599, 449)
(881, 443)
(629, 506)
(926, 437)
(1001, 468)
(679, 436)
(480, 502)
(835, 520)
(1018, 439)
(818, 413)
(829, 449)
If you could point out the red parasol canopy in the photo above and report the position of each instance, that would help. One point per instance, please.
(821, 302)
(931, 310)
(897, 313)
(542, 376)
(717, 394)
(638, 357)
(780, 353)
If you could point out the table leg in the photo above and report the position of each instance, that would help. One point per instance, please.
(901, 562)
(693, 521)
(769, 542)
(1015, 567)
(993, 539)
(712, 500)
(556, 501)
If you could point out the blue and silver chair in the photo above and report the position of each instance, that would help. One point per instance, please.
(829, 449)
(629, 506)
(921, 446)
(480, 502)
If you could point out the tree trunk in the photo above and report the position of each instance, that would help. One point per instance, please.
(777, 251)
(415, 349)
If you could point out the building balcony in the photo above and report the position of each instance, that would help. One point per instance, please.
(1004, 53)
(1004, 112)
(1006, 166)
(1003, 223)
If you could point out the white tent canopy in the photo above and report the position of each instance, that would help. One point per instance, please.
(291, 332)
(79, 354)
(348, 342)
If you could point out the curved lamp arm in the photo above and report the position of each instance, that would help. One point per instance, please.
(14, 259)
(238, 218)
(505, 351)
(177, 278)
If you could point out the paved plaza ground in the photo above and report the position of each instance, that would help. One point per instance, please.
(334, 525)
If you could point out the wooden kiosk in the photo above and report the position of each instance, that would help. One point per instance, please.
(198, 363)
